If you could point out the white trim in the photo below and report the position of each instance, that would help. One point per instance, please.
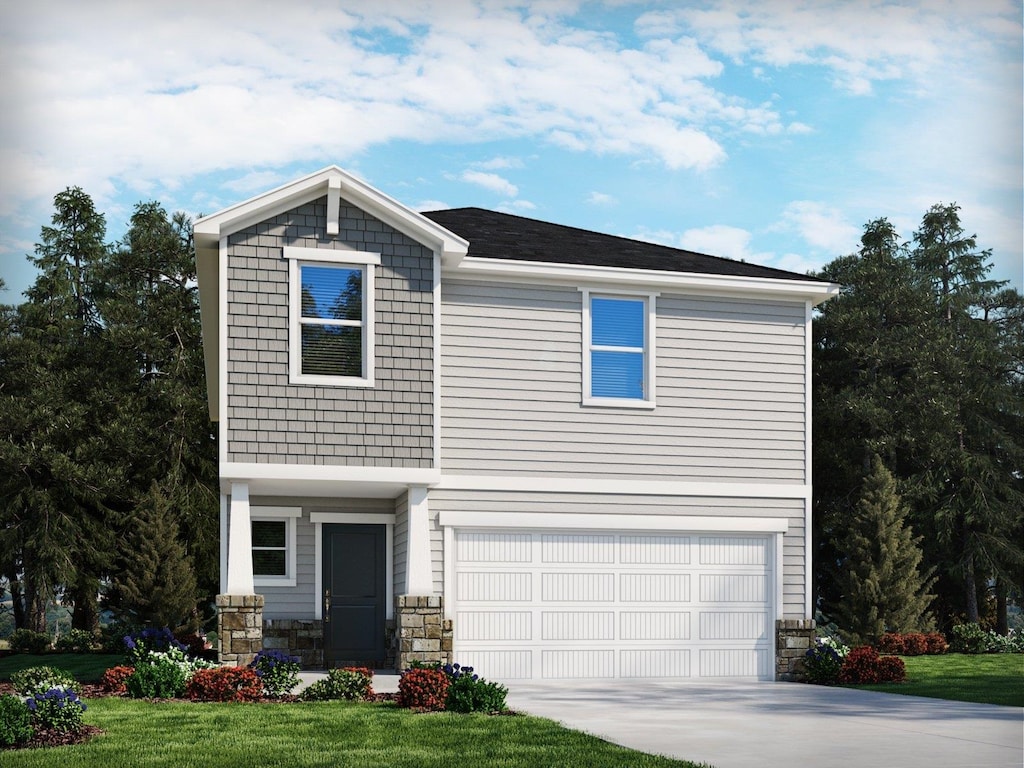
(315, 472)
(779, 586)
(437, 360)
(289, 516)
(448, 567)
(808, 455)
(358, 518)
(331, 255)
(419, 576)
(222, 364)
(333, 206)
(649, 350)
(696, 523)
(240, 581)
(473, 266)
(527, 483)
(366, 262)
(223, 544)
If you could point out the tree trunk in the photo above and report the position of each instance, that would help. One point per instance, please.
(1002, 619)
(86, 612)
(35, 605)
(971, 590)
(17, 600)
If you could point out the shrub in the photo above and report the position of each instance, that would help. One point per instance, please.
(1011, 642)
(225, 684)
(278, 671)
(349, 683)
(912, 643)
(27, 641)
(113, 680)
(39, 679)
(57, 709)
(469, 693)
(15, 721)
(159, 680)
(936, 642)
(194, 644)
(75, 641)
(969, 638)
(424, 689)
(890, 642)
(823, 661)
(864, 665)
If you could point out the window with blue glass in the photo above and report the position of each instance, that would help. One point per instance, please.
(619, 354)
(331, 322)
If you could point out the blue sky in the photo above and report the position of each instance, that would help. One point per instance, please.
(768, 130)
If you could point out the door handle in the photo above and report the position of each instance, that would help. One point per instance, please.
(327, 605)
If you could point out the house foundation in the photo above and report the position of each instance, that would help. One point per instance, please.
(793, 637)
(422, 631)
(239, 628)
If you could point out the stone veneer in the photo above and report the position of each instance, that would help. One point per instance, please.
(792, 639)
(424, 634)
(239, 628)
(305, 639)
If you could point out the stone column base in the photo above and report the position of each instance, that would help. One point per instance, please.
(792, 639)
(239, 628)
(423, 632)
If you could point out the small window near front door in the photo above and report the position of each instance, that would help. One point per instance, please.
(270, 548)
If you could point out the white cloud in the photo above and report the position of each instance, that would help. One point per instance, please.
(820, 225)
(499, 164)
(432, 205)
(720, 240)
(491, 181)
(600, 198)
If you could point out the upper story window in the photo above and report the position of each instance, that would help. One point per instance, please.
(331, 316)
(618, 350)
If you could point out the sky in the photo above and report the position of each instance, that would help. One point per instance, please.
(764, 130)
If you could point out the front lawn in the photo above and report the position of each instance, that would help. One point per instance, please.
(84, 667)
(996, 678)
(178, 734)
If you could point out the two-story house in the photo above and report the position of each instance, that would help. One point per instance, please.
(549, 452)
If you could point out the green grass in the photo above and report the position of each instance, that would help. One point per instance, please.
(179, 734)
(996, 678)
(85, 667)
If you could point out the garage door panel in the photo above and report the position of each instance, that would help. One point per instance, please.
(733, 625)
(732, 550)
(733, 662)
(500, 665)
(577, 587)
(494, 625)
(733, 588)
(655, 588)
(577, 663)
(494, 587)
(654, 550)
(654, 625)
(495, 548)
(655, 662)
(577, 625)
(577, 548)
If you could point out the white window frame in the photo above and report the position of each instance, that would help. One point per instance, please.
(299, 257)
(649, 300)
(289, 516)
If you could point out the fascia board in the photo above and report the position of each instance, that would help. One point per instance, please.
(575, 274)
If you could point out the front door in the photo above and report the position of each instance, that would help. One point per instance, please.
(353, 597)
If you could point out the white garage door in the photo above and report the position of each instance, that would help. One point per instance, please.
(554, 604)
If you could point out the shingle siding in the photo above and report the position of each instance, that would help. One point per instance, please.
(270, 420)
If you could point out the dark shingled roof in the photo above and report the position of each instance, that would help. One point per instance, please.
(493, 235)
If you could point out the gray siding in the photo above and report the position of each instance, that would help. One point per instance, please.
(270, 420)
(730, 390)
(401, 540)
(569, 503)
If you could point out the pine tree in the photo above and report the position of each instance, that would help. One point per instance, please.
(883, 589)
(155, 585)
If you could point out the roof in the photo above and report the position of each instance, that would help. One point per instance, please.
(494, 235)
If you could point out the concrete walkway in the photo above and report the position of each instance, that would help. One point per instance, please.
(767, 725)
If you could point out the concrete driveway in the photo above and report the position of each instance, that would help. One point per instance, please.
(783, 725)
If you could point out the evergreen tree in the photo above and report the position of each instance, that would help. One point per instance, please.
(882, 587)
(155, 585)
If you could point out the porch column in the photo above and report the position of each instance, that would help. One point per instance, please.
(423, 633)
(419, 579)
(239, 542)
(239, 609)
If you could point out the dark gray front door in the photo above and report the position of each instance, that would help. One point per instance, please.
(354, 585)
